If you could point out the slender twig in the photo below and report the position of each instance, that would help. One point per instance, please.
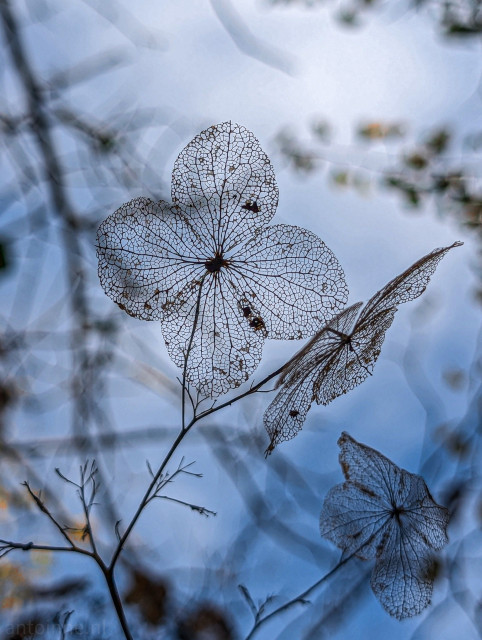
(147, 494)
(88, 505)
(44, 509)
(116, 600)
(201, 510)
(300, 599)
(172, 450)
(186, 355)
(168, 478)
(67, 615)
(7, 545)
(191, 399)
(252, 389)
(249, 599)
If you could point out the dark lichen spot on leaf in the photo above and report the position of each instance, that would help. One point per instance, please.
(366, 490)
(257, 323)
(251, 206)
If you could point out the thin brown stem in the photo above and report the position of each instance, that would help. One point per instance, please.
(252, 389)
(147, 494)
(30, 546)
(300, 599)
(188, 351)
(73, 548)
(171, 451)
(44, 509)
(7, 545)
(115, 597)
(86, 509)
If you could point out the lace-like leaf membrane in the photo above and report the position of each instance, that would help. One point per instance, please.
(210, 259)
(341, 356)
(385, 513)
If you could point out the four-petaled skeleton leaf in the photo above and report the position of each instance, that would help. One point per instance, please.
(385, 513)
(210, 268)
(221, 280)
(344, 352)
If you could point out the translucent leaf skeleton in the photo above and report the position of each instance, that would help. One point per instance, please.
(344, 352)
(385, 513)
(210, 268)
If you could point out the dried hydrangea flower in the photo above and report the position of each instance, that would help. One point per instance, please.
(209, 262)
(385, 513)
(341, 356)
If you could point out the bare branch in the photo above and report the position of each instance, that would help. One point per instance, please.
(44, 509)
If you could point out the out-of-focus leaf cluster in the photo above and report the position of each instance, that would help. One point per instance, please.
(455, 18)
(205, 621)
(436, 168)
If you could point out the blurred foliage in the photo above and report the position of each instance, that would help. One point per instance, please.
(380, 130)
(433, 169)
(456, 379)
(149, 595)
(454, 18)
(299, 157)
(206, 622)
(12, 580)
